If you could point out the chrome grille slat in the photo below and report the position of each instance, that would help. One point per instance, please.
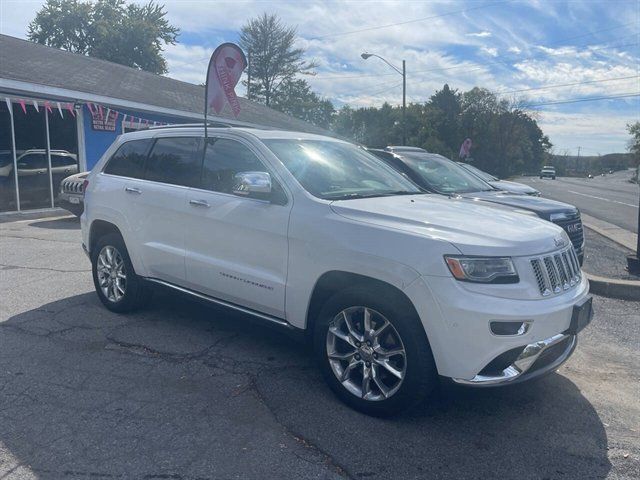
(556, 272)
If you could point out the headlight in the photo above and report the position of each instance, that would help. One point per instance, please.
(482, 269)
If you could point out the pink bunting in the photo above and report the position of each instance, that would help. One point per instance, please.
(59, 109)
(101, 112)
(47, 106)
(71, 110)
(35, 105)
(23, 105)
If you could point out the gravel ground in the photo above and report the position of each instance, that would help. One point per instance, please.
(182, 391)
(604, 257)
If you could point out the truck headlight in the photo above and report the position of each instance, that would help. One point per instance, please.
(482, 269)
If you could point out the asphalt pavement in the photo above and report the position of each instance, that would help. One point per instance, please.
(611, 198)
(185, 391)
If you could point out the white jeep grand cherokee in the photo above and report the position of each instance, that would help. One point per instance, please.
(393, 286)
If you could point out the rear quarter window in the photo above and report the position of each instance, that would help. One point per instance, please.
(129, 159)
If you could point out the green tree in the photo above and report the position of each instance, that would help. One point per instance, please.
(275, 62)
(295, 98)
(131, 35)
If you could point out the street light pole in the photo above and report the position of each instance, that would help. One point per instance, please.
(402, 72)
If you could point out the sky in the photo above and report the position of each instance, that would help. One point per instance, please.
(540, 51)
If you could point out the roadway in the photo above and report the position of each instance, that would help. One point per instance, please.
(611, 198)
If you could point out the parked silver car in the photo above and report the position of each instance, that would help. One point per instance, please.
(71, 196)
(507, 186)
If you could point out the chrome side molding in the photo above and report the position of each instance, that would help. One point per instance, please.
(263, 316)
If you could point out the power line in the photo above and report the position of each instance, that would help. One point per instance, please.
(378, 27)
(586, 82)
(578, 100)
(481, 67)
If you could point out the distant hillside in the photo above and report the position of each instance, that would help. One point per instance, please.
(573, 165)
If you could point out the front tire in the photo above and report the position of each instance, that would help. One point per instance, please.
(115, 281)
(373, 352)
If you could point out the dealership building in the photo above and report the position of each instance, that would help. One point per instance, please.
(60, 111)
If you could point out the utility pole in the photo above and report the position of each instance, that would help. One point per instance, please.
(404, 103)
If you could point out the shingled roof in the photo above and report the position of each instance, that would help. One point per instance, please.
(25, 61)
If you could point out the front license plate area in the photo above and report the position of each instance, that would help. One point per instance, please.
(75, 200)
(581, 316)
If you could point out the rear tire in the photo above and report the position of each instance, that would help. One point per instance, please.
(394, 381)
(115, 281)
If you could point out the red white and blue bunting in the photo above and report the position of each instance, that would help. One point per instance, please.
(106, 115)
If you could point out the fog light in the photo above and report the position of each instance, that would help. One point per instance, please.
(509, 328)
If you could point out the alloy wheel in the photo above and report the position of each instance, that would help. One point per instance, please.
(112, 275)
(366, 353)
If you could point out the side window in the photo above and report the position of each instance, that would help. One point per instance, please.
(32, 161)
(128, 161)
(175, 161)
(222, 160)
(62, 160)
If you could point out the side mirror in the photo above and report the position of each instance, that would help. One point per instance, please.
(249, 183)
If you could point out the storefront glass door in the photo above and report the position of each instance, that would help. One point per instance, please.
(34, 186)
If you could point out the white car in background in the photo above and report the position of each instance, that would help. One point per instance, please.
(393, 287)
(505, 185)
(548, 172)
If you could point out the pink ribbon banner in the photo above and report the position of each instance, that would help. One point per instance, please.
(225, 68)
(465, 148)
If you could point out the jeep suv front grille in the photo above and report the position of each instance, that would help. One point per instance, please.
(556, 272)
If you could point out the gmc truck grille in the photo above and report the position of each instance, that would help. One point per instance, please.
(556, 272)
(573, 228)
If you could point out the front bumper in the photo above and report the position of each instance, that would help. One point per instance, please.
(530, 363)
(457, 319)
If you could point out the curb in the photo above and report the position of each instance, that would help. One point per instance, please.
(614, 288)
(614, 233)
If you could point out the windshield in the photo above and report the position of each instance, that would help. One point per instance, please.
(337, 170)
(443, 175)
(478, 173)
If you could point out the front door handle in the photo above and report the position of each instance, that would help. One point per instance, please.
(199, 203)
(137, 191)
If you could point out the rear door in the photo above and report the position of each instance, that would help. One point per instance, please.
(173, 165)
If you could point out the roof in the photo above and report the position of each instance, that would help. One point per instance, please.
(25, 61)
(256, 132)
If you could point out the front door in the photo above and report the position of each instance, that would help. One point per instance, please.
(236, 247)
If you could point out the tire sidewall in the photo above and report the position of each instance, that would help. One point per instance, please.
(420, 377)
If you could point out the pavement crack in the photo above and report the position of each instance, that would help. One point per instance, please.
(4, 266)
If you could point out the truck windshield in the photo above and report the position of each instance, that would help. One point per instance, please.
(339, 171)
(443, 175)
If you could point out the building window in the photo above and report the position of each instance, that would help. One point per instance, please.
(45, 150)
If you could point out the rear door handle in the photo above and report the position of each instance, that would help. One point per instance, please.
(137, 191)
(199, 203)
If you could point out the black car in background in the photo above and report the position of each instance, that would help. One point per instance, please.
(437, 174)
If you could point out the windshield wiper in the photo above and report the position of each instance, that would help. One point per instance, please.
(355, 195)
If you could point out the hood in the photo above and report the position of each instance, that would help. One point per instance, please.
(473, 228)
(543, 207)
(77, 176)
(513, 187)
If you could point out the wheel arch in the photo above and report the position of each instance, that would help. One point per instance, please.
(100, 228)
(335, 280)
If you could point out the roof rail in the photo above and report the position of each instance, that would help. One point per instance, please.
(201, 124)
